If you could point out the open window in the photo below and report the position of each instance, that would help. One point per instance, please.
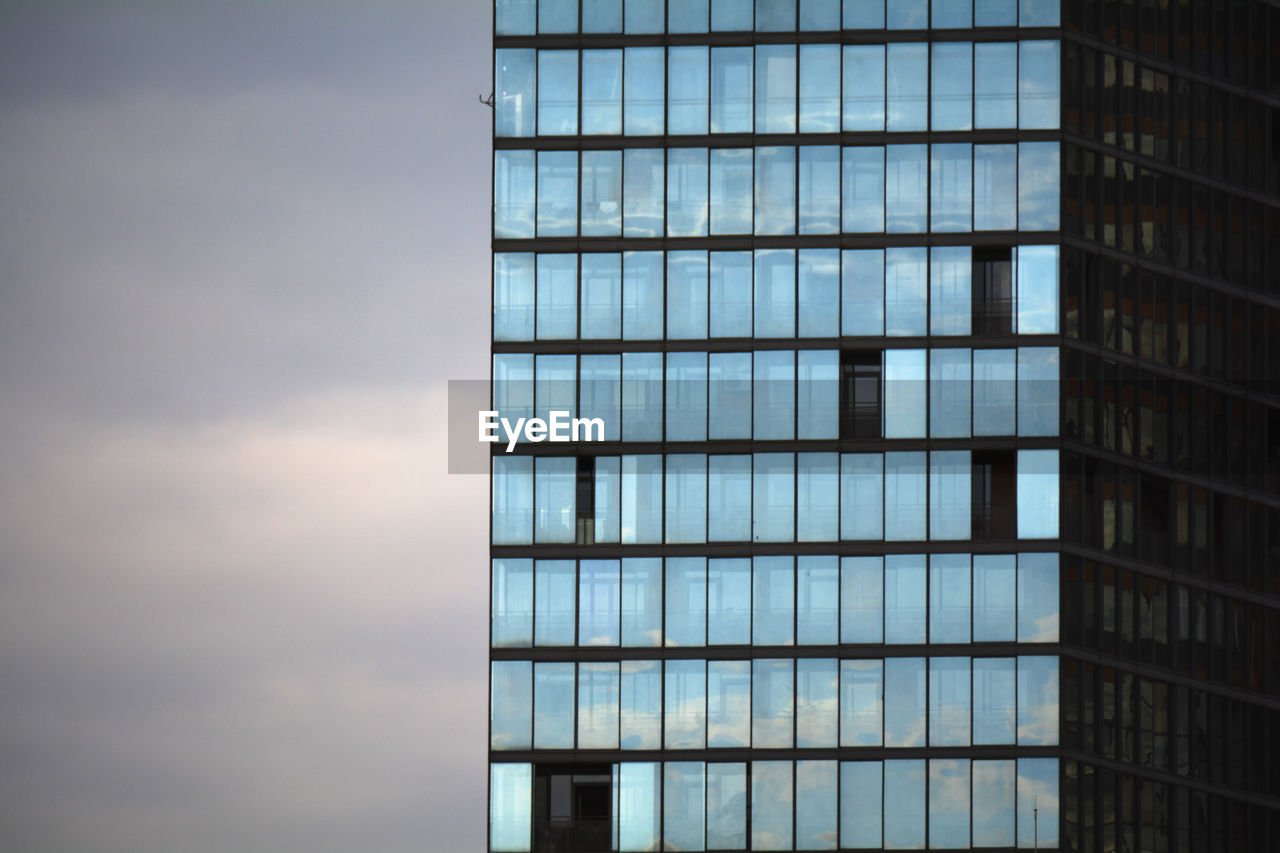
(993, 290)
(572, 809)
(859, 394)
(586, 503)
(995, 500)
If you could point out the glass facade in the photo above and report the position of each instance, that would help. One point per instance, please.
(934, 345)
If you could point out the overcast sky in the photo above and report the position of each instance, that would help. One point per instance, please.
(243, 245)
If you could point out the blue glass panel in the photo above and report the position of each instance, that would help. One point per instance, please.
(905, 602)
(688, 95)
(862, 190)
(514, 103)
(512, 604)
(731, 294)
(952, 14)
(860, 802)
(1038, 494)
(1038, 798)
(949, 393)
(864, 14)
(908, 14)
(994, 586)
(818, 606)
(515, 18)
(904, 805)
(1037, 274)
(950, 491)
(995, 13)
(511, 705)
(607, 515)
(951, 92)
(513, 194)
(1038, 598)
(643, 91)
(686, 486)
(642, 288)
(731, 15)
(861, 496)
(602, 16)
(949, 704)
(995, 170)
(598, 705)
(642, 601)
(601, 91)
(861, 702)
(512, 500)
(687, 192)
(1039, 177)
(819, 88)
(557, 16)
(949, 601)
(774, 394)
(553, 705)
(644, 16)
(772, 705)
(729, 393)
(601, 193)
(994, 700)
(951, 187)
(641, 498)
(906, 188)
(819, 287)
(729, 495)
(557, 92)
(727, 806)
(864, 86)
(816, 805)
(557, 193)
(861, 599)
(775, 15)
(949, 802)
(732, 89)
(775, 190)
(639, 812)
(817, 493)
(555, 389)
(513, 296)
(599, 603)
(690, 16)
(993, 391)
(686, 295)
(510, 804)
(731, 190)
(818, 398)
(1037, 700)
(602, 295)
(773, 496)
(554, 588)
(950, 290)
(773, 601)
(819, 189)
(683, 802)
(906, 292)
(993, 786)
(905, 397)
(728, 703)
(904, 496)
(1039, 86)
(1039, 13)
(907, 83)
(995, 84)
(1037, 391)
(686, 601)
(642, 190)
(684, 713)
(775, 293)
(557, 317)
(771, 803)
(862, 291)
(640, 714)
(729, 603)
(819, 14)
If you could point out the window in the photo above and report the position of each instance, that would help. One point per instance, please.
(859, 394)
(992, 291)
(994, 500)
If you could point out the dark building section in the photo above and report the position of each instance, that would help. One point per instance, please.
(1171, 426)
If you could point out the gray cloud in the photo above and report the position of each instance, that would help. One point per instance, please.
(242, 246)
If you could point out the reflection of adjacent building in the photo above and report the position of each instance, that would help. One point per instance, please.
(900, 537)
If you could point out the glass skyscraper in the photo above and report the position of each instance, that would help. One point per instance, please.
(935, 346)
